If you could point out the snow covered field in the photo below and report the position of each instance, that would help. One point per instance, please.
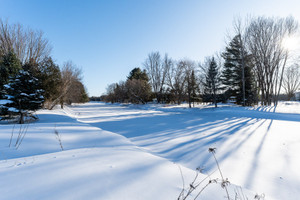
(136, 152)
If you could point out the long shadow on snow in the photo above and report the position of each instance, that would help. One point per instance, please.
(184, 137)
(180, 137)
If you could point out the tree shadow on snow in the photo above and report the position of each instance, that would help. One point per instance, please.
(184, 137)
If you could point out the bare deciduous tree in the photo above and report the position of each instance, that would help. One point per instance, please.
(190, 79)
(110, 93)
(176, 81)
(138, 90)
(116, 92)
(70, 76)
(157, 70)
(264, 40)
(37, 47)
(120, 92)
(28, 45)
(291, 80)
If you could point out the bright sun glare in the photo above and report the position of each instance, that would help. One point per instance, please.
(290, 43)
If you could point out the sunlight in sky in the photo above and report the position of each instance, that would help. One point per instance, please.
(291, 43)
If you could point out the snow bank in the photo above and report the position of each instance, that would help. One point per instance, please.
(96, 164)
(257, 147)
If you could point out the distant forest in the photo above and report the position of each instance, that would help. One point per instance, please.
(255, 66)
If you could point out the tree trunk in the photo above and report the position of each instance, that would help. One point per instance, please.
(21, 120)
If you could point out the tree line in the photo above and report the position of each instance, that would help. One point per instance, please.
(30, 79)
(254, 67)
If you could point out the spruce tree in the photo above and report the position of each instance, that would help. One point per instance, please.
(24, 93)
(212, 81)
(236, 58)
(9, 66)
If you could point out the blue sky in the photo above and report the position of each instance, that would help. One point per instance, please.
(108, 38)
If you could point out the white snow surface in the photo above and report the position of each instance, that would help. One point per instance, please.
(136, 152)
(12, 109)
(4, 101)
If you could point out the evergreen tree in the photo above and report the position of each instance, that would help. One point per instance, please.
(24, 94)
(9, 66)
(236, 58)
(212, 81)
(138, 74)
(191, 86)
(84, 96)
(50, 78)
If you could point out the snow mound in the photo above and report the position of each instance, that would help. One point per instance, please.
(95, 164)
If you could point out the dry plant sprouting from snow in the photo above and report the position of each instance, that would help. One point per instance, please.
(224, 182)
(20, 136)
(57, 135)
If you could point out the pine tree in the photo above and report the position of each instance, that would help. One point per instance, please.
(24, 94)
(236, 58)
(212, 81)
(138, 74)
